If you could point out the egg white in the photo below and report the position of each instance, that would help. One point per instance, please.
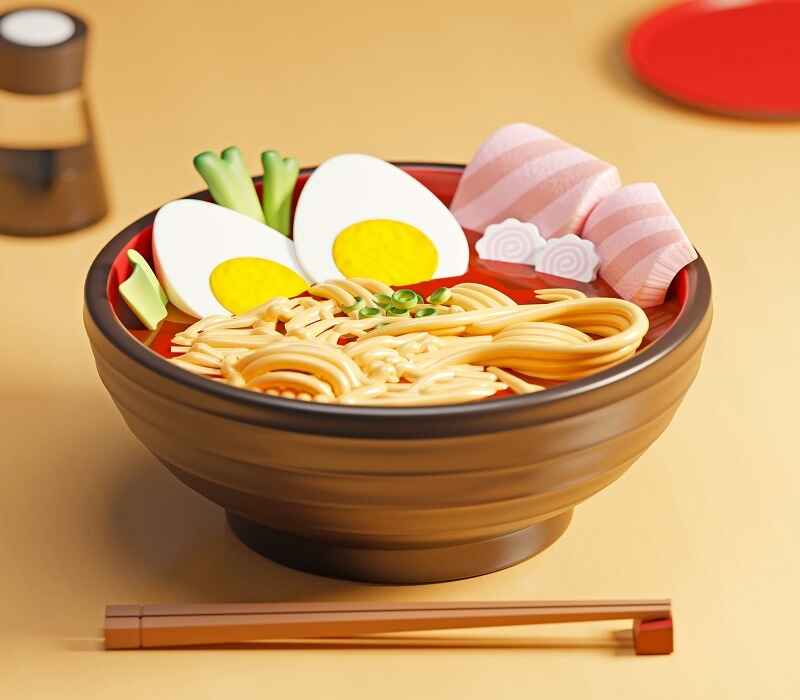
(352, 187)
(192, 237)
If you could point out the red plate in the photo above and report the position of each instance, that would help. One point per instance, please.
(738, 57)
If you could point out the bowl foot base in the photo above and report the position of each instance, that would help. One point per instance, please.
(400, 566)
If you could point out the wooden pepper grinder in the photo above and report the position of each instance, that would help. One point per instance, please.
(50, 180)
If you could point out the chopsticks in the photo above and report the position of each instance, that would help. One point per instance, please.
(163, 626)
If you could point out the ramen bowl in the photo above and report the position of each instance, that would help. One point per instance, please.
(393, 495)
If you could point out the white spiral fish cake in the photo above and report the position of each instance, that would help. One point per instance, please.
(569, 257)
(512, 241)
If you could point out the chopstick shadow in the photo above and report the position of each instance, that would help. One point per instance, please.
(618, 643)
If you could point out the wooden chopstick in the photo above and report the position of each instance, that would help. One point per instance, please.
(160, 626)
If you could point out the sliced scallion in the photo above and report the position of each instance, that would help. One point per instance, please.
(394, 311)
(369, 312)
(357, 306)
(404, 298)
(440, 296)
(427, 311)
(383, 300)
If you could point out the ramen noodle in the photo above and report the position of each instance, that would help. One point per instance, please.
(338, 346)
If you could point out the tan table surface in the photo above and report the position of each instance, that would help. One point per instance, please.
(708, 516)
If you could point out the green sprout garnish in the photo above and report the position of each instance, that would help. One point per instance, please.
(357, 306)
(394, 311)
(229, 181)
(383, 300)
(280, 176)
(440, 296)
(427, 311)
(404, 299)
(369, 312)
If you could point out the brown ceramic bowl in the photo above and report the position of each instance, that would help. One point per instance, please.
(395, 495)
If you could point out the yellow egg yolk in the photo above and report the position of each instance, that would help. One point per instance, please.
(389, 251)
(241, 284)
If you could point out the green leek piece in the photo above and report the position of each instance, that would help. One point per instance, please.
(229, 181)
(383, 300)
(280, 177)
(143, 293)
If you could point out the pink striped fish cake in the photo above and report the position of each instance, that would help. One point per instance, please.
(641, 244)
(526, 173)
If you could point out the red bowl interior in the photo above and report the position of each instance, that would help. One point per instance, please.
(518, 281)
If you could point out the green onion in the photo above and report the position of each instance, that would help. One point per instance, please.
(440, 296)
(359, 304)
(420, 300)
(369, 312)
(280, 176)
(394, 311)
(428, 311)
(229, 181)
(383, 300)
(404, 298)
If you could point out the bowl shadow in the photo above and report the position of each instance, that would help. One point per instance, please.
(179, 545)
(179, 542)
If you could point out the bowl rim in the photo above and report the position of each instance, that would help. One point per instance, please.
(99, 308)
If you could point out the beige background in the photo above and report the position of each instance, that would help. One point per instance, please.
(708, 516)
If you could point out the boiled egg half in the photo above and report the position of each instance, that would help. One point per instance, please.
(212, 260)
(359, 216)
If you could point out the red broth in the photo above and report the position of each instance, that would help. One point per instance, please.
(518, 281)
